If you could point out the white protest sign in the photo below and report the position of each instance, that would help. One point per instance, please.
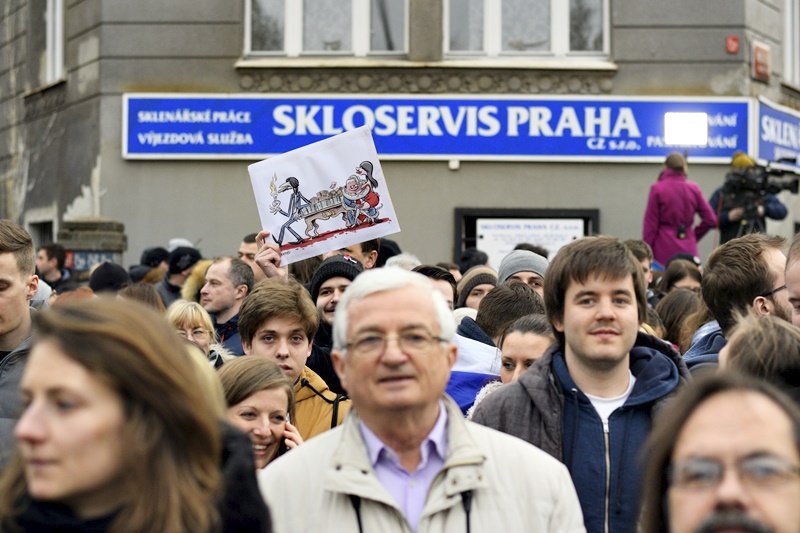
(498, 236)
(324, 196)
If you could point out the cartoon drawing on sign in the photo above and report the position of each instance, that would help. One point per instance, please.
(332, 187)
(360, 200)
(295, 206)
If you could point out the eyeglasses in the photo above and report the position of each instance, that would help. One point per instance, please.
(410, 342)
(773, 291)
(757, 471)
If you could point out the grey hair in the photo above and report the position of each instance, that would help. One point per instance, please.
(387, 279)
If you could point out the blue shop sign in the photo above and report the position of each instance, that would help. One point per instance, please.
(778, 131)
(552, 128)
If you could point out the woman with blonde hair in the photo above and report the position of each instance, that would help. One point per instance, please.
(194, 324)
(117, 433)
(260, 400)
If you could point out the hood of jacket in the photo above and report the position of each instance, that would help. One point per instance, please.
(603, 459)
(470, 329)
(704, 351)
(669, 174)
(308, 385)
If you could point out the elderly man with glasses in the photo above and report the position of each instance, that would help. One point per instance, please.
(405, 459)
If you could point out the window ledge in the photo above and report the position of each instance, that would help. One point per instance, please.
(45, 87)
(791, 87)
(560, 64)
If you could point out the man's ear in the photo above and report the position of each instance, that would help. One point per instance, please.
(31, 286)
(247, 347)
(337, 358)
(452, 355)
(372, 258)
(558, 325)
(760, 306)
(241, 292)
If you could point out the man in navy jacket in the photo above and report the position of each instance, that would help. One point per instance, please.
(589, 400)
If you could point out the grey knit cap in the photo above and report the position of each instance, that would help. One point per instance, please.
(521, 261)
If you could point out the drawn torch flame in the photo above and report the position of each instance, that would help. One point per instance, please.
(273, 191)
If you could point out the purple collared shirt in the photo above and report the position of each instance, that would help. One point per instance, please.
(409, 489)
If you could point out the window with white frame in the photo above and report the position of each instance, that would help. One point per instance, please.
(326, 27)
(46, 41)
(791, 46)
(526, 27)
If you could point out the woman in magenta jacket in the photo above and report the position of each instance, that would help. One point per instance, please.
(670, 214)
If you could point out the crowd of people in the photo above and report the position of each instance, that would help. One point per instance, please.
(364, 391)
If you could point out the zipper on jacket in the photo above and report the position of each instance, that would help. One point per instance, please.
(608, 473)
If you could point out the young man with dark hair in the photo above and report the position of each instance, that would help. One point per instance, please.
(744, 275)
(18, 284)
(278, 322)
(228, 281)
(247, 253)
(365, 252)
(589, 400)
(50, 262)
(443, 281)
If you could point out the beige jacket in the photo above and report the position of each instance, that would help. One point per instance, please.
(515, 487)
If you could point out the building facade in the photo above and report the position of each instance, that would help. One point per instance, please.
(65, 66)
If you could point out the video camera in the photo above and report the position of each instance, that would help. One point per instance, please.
(746, 187)
(757, 180)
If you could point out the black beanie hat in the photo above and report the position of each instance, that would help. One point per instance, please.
(152, 257)
(109, 277)
(182, 258)
(339, 265)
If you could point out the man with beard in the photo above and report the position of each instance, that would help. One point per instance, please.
(724, 457)
(744, 275)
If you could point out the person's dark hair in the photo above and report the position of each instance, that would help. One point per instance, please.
(535, 323)
(472, 257)
(535, 248)
(504, 304)
(676, 271)
(145, 293)
(448, 266)
(603, 256)
(669, 425)
(437, 273)
(654, 321)
(303, 271)
(250, 238)
(371, 245)
(674, 309)
(768, 348)
(240, 273)
(735, 274)
(387, 249)
(641, 250)
(692, 323)
(277, 298)
(55, 251)
(15, 240)
(171, 477)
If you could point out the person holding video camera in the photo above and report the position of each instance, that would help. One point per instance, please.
(669, 219)
(744, 201)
